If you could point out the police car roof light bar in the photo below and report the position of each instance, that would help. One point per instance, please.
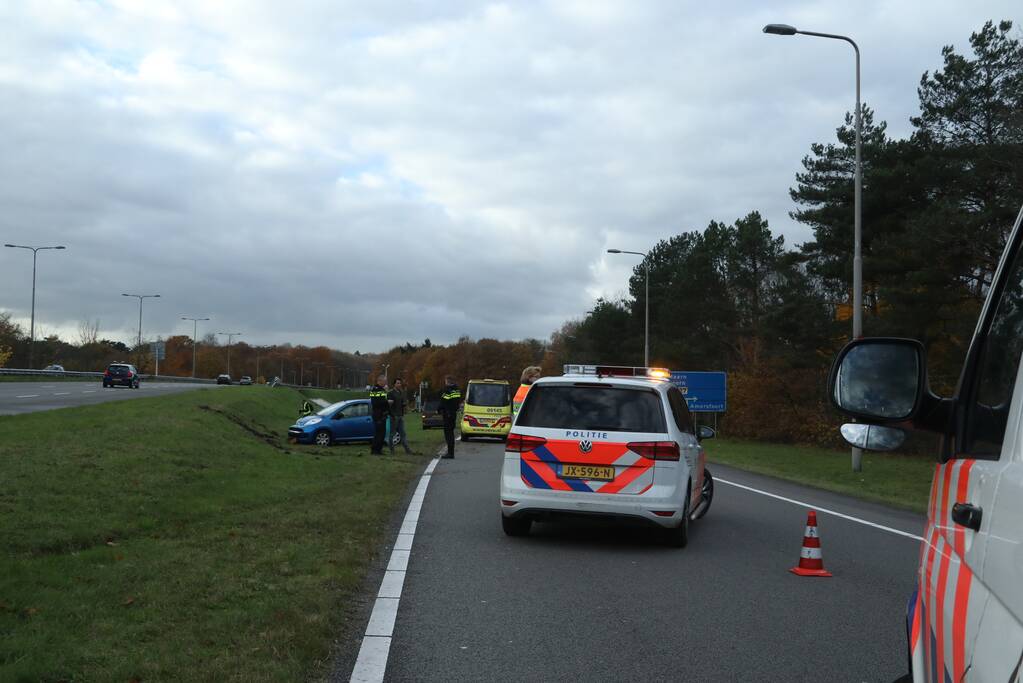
(615, 371)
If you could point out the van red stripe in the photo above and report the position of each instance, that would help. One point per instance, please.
(962, 489)
(946, 555)
(914, 632)
(932, 542)
(944, 515)
(962, 606)
(932, 504)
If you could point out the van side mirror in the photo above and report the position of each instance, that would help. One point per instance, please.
(705, 433)
(879, 380)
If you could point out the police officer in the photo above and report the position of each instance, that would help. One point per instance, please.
(306, 409)
(380, 408)
(450, 399)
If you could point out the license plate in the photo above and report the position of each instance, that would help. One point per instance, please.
(597, 472)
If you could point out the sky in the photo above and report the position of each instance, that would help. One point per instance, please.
(361, 174)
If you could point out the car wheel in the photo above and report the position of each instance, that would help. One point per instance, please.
(464, 437)
(679, 536)
(322, 438)
(706, 493)
(516, 526)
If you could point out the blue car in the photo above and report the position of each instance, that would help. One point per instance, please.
(344, 422)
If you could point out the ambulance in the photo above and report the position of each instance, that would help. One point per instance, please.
(964, 622)
(487, 410)
(604, 441)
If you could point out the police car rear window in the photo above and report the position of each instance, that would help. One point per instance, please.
(610, 409)
(492, 395)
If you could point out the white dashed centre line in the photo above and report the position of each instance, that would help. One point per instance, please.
(376, 643)
(62, 393)
(27, 396)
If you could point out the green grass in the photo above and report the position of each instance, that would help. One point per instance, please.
(181, 538)
(900, 480)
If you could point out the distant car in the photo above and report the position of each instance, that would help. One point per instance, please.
(54, 368)
(223, 379)
(343, 422)
(430, 415)
(121, 374)
(245, 380)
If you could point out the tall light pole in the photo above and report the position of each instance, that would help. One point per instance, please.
(646, 324)
(230, 336)
(301, 370)
(331, 368)
(140, 297)
(32, 324)
(857, 302)
(386, 366)
(195, 329)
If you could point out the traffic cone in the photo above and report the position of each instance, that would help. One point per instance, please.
(811, 562)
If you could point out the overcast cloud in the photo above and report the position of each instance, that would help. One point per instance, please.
(363, 174)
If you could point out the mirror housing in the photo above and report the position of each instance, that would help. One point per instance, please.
(705, 432)
(873, 437)
(879, 380)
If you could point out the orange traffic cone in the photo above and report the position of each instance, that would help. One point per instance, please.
(811, 562)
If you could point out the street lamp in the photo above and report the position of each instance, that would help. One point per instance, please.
(195, 328)
(317, 364)
(32, 325)
(331, 368)
(857, 302)
(646, 333)
(386, 366)
(140, 297)
(301, 370)
(230, 336)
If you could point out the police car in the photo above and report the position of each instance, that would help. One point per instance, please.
(964, 622)
(604, 440)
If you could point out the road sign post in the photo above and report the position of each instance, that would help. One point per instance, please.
(159, 351)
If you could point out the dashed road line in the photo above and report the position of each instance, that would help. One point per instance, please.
(62, 393)
(28, 396)
(821, 509)
(376, 643)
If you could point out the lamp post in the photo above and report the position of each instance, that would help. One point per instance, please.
(857, 302)
(331, 368)
(140, 297)
(386, 366)
(301, 370)
(646, 324)
(32, 324)
(230, 336)
(317, 364)
(195, 329)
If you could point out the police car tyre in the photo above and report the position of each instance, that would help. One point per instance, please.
(322, 438)
(706, 494)
(679, 536)
(516, 526)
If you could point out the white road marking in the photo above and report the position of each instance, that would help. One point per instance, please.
(376, 644)
(27, 396)
(90, 391)
(62, 393)
(820, 509)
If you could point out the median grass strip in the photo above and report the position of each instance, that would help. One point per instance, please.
(182, 538)
(900, 480)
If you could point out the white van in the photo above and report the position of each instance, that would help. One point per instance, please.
(965, 619)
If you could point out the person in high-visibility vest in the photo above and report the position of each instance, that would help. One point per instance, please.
(380, 409)
(529, 375)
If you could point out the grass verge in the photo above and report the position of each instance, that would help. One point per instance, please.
(902, 481)
(334, 395)
(181, 537)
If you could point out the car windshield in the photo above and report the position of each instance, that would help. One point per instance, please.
(610, 409)
(488, 395)
(331, 409)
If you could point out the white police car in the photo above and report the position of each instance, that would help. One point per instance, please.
(603, 440)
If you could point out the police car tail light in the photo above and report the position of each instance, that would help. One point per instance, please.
(520, 443)
(655, 450)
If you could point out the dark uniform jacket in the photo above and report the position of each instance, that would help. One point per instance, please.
(378, 403)
(450, 399)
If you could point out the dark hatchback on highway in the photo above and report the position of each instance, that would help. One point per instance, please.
(431, 415)
(121, 374)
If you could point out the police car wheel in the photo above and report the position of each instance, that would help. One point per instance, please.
(516, 526)
(679, 536)
(706, 493)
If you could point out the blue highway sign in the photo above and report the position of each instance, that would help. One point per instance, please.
(705, 392)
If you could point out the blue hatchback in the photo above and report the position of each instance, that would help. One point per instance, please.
(344, 422)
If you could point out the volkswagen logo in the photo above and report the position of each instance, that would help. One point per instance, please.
(585, 446)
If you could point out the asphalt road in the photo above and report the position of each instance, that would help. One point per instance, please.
(28, 397)
(582, 600)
